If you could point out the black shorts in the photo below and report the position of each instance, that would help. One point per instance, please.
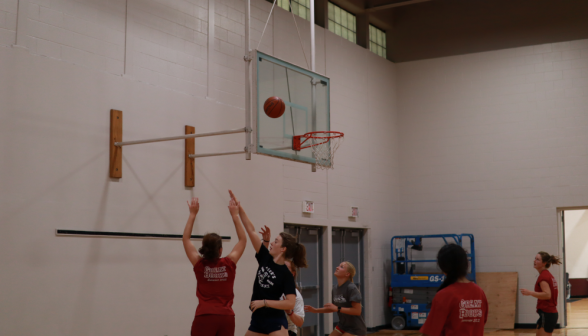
(268, 325)
(547, 321)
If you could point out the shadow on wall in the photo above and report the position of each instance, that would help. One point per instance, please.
(42, 195)
(150, 196)
(387, 265)
(83, 306)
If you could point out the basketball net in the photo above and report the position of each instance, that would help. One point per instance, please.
(324, 145)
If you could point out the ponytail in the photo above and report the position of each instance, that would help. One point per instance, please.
(211, 245)
(294, 251)
(452, 259)
(549, 259)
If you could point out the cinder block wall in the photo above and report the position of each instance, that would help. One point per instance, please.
(492, 144)
(152, 61)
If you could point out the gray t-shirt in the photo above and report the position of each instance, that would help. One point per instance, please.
(342, 297)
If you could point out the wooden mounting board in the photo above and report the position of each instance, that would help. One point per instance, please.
(115, 165)
(501, 291)
(190, 147)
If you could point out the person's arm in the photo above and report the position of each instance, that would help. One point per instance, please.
(297, 320)
(266, 235)
(286, 304)
(239, 248)
(255, 241)
(297, 315)
(190, 249)
(354, 310)
(437, 316)
(544, 295)
(311, 309)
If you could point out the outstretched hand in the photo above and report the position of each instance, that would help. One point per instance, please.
(234, 207)
(526, 292)
(309, 309)
(233, 196)
(266, 233)
(194, 206)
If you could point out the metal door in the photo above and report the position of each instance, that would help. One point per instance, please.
(348, 246)
(309, 279)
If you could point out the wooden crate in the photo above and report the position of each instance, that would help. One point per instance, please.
(501, 292)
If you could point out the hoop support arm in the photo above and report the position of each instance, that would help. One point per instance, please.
(116, 144)
(180, 137)
(193, 156)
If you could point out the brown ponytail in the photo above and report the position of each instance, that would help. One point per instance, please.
(549, 259)
(294, 251)
(211, 245)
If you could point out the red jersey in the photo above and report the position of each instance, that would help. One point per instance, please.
(214, 287)
(460, 309)
(547, 306)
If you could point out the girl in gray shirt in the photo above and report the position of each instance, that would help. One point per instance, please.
(346, 303)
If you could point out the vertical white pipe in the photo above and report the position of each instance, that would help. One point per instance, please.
(247, 59)
(312, 38)
(313, 69)
(210, 54)
(21, 23)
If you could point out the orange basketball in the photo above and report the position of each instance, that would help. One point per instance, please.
(274, 107)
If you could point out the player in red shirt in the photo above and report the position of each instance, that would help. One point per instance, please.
(215, 275)
(460, 307)
(546, 293)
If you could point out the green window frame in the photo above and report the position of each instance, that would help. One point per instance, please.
(342, 23)
(299, 7)
(377, 41)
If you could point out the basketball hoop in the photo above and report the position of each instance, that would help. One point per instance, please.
(323, 145)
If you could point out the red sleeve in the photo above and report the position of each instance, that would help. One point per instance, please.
(437, 316)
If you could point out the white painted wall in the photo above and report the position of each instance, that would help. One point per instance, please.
(576, 231)
(492, 144)
(150, 60)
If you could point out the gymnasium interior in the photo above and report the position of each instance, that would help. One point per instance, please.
(459, 117)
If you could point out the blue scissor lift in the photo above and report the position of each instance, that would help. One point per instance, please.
(411, 294)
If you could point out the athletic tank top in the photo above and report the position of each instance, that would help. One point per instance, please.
(547, 306)
(214, 287)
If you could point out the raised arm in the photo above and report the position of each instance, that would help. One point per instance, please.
(249, 228)
(190, 249)
(237, 251)
(266, 235)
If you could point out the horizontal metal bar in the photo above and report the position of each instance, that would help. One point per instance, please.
(60, 232)
(192, 156)
(180, 137)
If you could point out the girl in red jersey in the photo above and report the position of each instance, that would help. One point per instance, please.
(215, 275)
(273, 279)
(545, 292)
(460, 306)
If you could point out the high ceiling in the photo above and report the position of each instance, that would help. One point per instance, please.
(422, 29)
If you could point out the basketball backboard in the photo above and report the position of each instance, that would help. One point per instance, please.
(294, 85)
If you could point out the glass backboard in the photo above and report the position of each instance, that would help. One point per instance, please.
(294, 85)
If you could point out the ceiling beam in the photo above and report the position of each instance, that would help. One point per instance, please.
(392, 5)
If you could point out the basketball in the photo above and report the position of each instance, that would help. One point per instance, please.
(274, 107)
